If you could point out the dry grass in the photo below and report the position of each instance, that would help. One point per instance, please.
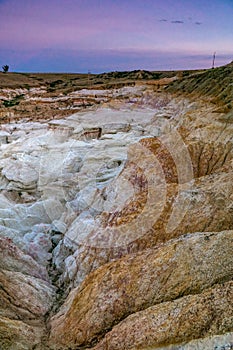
(66, 83)
(215, 84)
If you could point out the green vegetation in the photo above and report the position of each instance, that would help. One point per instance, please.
(217, 84)
(13, 102)
(55, 83)
(5, 68)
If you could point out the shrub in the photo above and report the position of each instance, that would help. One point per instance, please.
(5, 68)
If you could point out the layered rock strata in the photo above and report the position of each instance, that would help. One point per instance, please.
(116, 226)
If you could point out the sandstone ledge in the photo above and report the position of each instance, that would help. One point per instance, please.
(183, 266)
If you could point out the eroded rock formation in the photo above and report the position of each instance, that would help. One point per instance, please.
(116, 226)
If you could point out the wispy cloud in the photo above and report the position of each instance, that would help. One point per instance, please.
(177, 22)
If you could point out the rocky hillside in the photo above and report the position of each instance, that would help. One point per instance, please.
(116, 217)
(216, 84)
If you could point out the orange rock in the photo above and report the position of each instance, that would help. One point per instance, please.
(180, 267)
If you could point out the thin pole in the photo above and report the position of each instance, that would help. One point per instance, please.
(214, 55)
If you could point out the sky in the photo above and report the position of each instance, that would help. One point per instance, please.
(114, 35)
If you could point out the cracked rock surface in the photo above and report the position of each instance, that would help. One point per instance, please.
(116, 226)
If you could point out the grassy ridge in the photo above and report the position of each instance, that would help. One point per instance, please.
(65, 83)
(216, 84)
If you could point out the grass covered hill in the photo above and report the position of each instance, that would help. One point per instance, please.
(216, 84)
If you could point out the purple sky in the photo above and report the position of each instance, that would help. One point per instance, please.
(104, 35)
